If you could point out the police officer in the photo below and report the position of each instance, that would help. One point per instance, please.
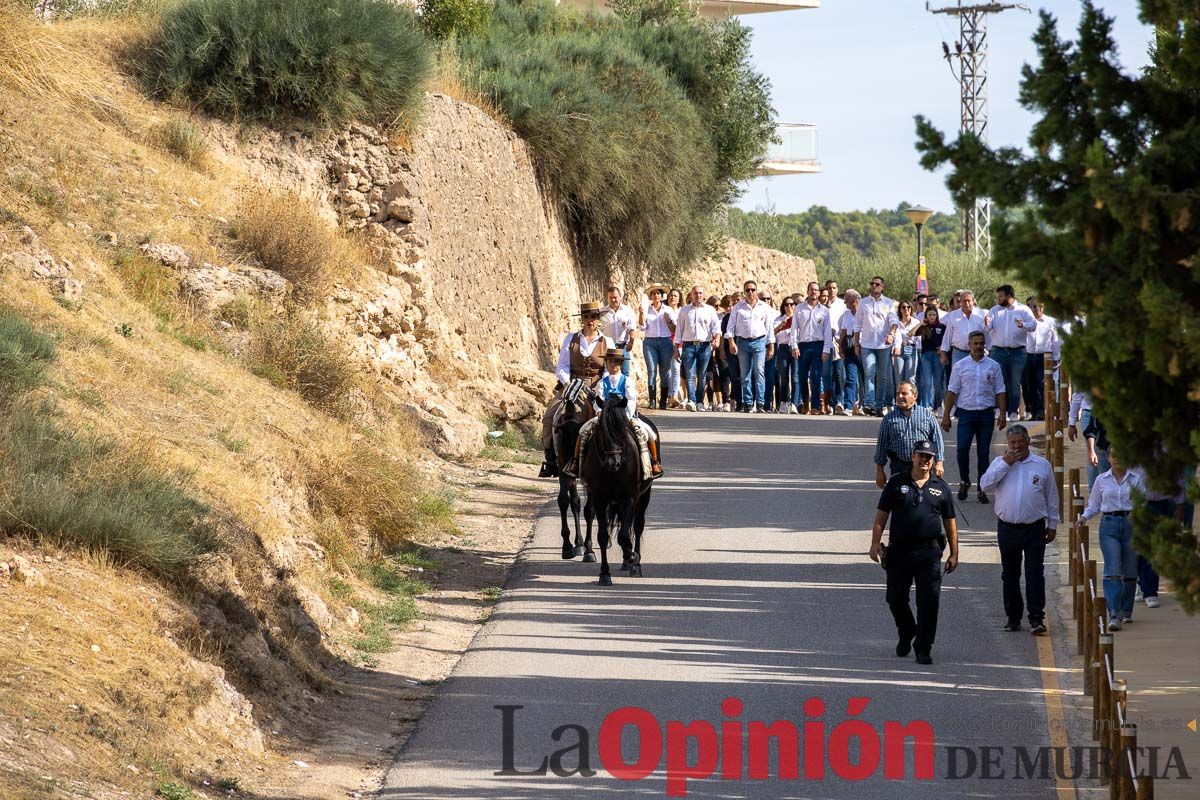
(922, 512)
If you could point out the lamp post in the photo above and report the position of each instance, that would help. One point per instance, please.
(918, 216)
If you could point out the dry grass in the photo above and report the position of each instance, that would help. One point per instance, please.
(185, 141)
(284, 233)
(448, 78)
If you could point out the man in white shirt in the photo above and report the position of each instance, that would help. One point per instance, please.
(1008, 324)
(812, 336)
(1039, 343)
(833, 377)
(960, 324)
(847, 404)
(976, 390)
(749, 332)
(877, 323)
(699, 331)
(618, 324)
(1026, 519)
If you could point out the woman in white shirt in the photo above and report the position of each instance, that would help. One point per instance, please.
(675, 303)
(1112, 498)
(904, 351)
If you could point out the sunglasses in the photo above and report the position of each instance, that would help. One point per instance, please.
(751, 289)
(788, 303)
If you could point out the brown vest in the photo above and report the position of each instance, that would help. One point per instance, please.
(589, 368)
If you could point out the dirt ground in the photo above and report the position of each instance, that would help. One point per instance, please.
(371, 712)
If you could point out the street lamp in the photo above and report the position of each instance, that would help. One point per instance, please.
(918, 216)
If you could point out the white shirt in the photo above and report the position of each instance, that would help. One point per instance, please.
(875, 319)
(1004, 328)
(959, 327)
(811, 324)
(904, 332)
(1109, 494)
(751, 321)
(1045, 338)
(976, 383)
(1080, 402)
(848, 322)
(698, 323)
(631, 394)
(563, 370)
(1025, 491)
(616, 325)
(786, 335)
(656, 326)
(836, 309)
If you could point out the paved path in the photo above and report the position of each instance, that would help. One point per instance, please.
(756, 586)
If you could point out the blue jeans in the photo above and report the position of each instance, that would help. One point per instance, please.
(769, 379)
(659, 353)
(807, 386)
(834, 378)
(906, 365)
(1012, 365)
(930, 380)
(695, 364)
(1120, 565)
(785, 367)
(975, 425)
(853, 367)
(752, 359)
(877, 367)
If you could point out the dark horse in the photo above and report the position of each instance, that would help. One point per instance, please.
(568, 498)
(617, 490)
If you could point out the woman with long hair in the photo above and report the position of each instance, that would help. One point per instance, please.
(675, 302)
(904, 352)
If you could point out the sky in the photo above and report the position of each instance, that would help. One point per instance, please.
(861, 69)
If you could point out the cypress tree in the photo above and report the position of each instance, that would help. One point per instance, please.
(1105, 223)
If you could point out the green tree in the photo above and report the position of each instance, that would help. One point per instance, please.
(1109, 231)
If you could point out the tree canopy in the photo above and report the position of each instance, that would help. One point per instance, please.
(1109, 232)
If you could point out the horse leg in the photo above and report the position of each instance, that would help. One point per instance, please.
(605, 576)
(575, 512)
(623, 538)
(564, 502)
(639, 527)
(589, 514)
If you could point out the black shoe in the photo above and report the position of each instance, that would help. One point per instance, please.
(1012, 627)
(1038, 629)
(924, 658)
(981, 497)
(548, 470)
(963, 489)
(904, 646)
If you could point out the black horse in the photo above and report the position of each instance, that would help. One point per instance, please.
(568, 498)
(617, 489)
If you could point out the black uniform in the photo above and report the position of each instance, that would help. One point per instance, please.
(915, 543)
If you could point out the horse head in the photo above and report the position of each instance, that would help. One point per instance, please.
(614, 432)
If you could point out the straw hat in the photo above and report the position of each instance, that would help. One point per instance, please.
(660, 287)
(588, 309)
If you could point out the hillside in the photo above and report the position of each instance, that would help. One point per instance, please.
(245, 378)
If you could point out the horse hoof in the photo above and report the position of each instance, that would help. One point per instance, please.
(568, 552)
(624, 566)
(606, 580)
(636, 572)
(589, 557)
(579, 550)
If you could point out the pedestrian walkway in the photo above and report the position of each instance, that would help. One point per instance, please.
(1158, 654)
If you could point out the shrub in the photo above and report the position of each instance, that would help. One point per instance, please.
(24, 355)
(286, 234)
(330, 61)
(293, 352)
(75, 489)
(445, 18)
(183, 140)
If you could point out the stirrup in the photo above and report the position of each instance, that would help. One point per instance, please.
(548, 470)
(571, 469)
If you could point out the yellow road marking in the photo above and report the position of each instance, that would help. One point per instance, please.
(1055, 717)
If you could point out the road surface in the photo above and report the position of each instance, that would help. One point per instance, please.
(756, 587)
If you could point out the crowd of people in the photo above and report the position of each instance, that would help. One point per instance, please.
(823, 351)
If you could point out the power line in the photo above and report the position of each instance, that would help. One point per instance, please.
(971, 52)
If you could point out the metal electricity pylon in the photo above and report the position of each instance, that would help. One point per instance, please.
(971, 52)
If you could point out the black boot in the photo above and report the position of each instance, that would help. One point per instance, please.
(549, 466)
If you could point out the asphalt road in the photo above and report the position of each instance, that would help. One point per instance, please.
(756, 587)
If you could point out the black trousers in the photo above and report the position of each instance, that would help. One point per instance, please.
(922, 566)
(1023, 543)
(1033, 384)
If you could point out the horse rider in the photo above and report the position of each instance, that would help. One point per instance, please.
(581, 357)
(614, 382)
